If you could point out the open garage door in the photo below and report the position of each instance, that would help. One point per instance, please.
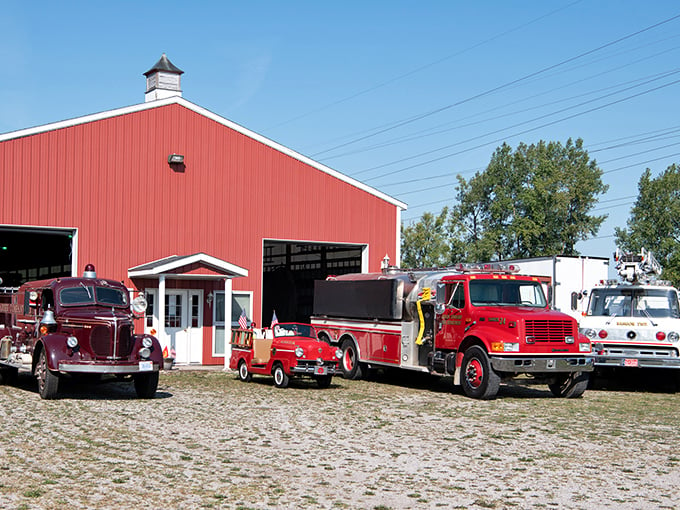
(289, 270)
(28, 253)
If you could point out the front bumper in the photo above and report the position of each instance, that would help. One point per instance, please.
(535, 365)
(99, 367)
(313, 368)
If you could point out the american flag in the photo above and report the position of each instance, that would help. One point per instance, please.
(243, 320)
(275, 321)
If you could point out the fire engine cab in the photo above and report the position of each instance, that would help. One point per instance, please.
(635, 322)
(479, 324)
(77, 326)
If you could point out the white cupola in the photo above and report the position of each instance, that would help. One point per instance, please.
(162, 80)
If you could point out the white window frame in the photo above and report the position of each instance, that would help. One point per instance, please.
(234, 324)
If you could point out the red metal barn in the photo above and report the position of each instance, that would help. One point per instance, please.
(187, 207)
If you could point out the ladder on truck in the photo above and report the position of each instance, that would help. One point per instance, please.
(637, 267)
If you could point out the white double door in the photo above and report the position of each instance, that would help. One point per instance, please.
(184, 324)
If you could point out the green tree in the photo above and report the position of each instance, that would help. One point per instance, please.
(532, 202)
(425, 243)
(654, 222)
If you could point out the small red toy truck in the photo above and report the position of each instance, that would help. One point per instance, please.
(288, 350)
(77, 326)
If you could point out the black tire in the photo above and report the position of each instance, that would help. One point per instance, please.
(478, 379)
(323, 381)
(48, 381)
(146, 384)
(351, 367)
(281, 378)
(243, 373)
(570, 385)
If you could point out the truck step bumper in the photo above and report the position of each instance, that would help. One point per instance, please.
(108, 368)
(530, 365)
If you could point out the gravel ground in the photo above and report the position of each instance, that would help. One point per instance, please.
(397, 442)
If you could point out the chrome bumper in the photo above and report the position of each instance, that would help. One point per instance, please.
(314, 370)
(107, 368)
(530, 365)
(636, 362)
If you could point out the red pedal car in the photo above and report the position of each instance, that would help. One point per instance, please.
(288, 350)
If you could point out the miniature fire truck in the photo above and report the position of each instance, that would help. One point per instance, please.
(477, 323)
(288, 350)
(636, 322)
(77, 326)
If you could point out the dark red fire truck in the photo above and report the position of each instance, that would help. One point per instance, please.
(77, 326)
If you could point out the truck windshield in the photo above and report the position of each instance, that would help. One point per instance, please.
(506, 293)
(89, 294)
(294, 329)
(634, 302)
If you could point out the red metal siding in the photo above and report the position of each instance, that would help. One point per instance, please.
(111, 180)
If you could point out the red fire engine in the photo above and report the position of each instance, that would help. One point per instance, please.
(73, 327)
(480, 324)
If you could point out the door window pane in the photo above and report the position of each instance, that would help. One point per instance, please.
(173, 311)
(149, 309)
(194, 310)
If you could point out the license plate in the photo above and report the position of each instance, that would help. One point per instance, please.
(630, 362)
(145, 366)
(319, 370)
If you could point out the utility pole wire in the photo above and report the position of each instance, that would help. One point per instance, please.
(426, 66)
(500, 87)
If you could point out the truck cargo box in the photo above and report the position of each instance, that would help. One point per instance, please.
(363, 299)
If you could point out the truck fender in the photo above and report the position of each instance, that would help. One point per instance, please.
(464, 346)
(55, 350)
(325, 336)
(156, 351)
(350, 336)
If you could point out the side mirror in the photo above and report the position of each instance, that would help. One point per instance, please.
(574, 301)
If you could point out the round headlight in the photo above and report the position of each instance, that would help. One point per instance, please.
(590, 333)
(299, 351)
(147, 342)
(144, 353)
(673, 336)
(71, 341)
(138, 306)
(338, 353)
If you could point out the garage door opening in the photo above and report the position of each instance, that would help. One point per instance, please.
(34, 254)
(289, 270)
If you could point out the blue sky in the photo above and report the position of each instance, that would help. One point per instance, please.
(400, 95)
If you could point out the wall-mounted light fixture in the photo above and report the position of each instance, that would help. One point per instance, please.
(176, 159)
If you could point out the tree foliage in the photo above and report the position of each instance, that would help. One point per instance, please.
(533, 201)
(424, 244)
(654, 223)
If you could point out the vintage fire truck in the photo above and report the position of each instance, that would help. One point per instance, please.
(635, 322)
(77, 326)
(477, 323)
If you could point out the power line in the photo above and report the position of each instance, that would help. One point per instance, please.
(500, 87)
(426, 66)
(433, 130)
(515, 134)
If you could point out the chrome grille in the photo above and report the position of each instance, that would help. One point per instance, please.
(105, 345)
(550, 331)
(125, 341)
(101, 341)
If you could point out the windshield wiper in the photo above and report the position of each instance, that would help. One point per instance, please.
(648, 316)
(87, 289)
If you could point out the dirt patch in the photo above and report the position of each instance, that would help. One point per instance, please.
(210, 441)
